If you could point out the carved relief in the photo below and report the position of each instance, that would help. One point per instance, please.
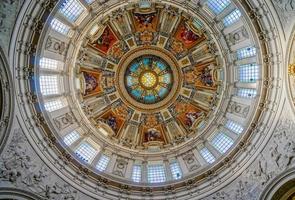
(56, 46)
(238, 109)
(19, 168)
(286, 5)
(64, 121)
(285, 9)
(120, 167)
(277, 157)
(191, 162)
(237, 36)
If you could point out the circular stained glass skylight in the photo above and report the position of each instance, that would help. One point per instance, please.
(148, 79)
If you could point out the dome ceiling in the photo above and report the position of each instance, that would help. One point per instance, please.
(149, 96)
(162, 88)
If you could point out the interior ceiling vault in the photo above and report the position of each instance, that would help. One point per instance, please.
(144, 99)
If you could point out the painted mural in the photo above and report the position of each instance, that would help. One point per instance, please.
(104, 40)
(184, 39)
(91, 82)
(188, 114)
(115, 118)
(145, 25)
(149, 79)
(202, 76)
(152, 130)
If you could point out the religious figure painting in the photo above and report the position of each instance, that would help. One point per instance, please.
(104, 40)
(152, 134)
(152, 130)
(115, 119)
(202, 76)
(184, 39)
(91, 82)
(186, 36)
(188, 114)
(145, 22)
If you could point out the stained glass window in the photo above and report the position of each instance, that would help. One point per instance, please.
(71, 138)
(86, 152)
(235, 127)
(148, 79)
(232, 17)
(222, 142)
(136, 173)
(59, 26)
(246, 93)
(246, 52)
(71, 9)
(217, 6)
(49, 84)
(175, 170)
(156, 173)
(248, 73)
(102, 163)
(207, 155)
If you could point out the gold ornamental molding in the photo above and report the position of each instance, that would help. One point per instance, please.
(291, 69)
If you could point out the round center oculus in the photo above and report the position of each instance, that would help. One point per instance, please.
(148, 79)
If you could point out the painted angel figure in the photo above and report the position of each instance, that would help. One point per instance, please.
(153, 134)
(191, 117)
(112, 122)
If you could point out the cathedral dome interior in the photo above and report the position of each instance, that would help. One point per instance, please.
(147, 99)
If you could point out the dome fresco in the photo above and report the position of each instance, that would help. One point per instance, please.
(158, 102)
(150, 94)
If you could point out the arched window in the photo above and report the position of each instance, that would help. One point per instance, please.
(102, 163)
(136, 173)
(175, 170)
(207, 155)
(232, 18)
(71, 137)
(86, 152)
(222, 142)
(217, 6)
(59, 26)
(156, 173)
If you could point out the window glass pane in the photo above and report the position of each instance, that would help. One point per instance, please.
(49, 85)
(176, 171)
(136, 173)
(235, 127)
(71, 138)
(246, 52)
(48, 63)
(222, 142)
(156, 174)
(86, 152)
(102, 163)
(54, 105)
(207, 155)
(198, 24)
(89, 1)
(71, 9)
(59, 26)
(246, 93)
(232, 18)
(217, 6)
(145, 4)
(248, 73)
